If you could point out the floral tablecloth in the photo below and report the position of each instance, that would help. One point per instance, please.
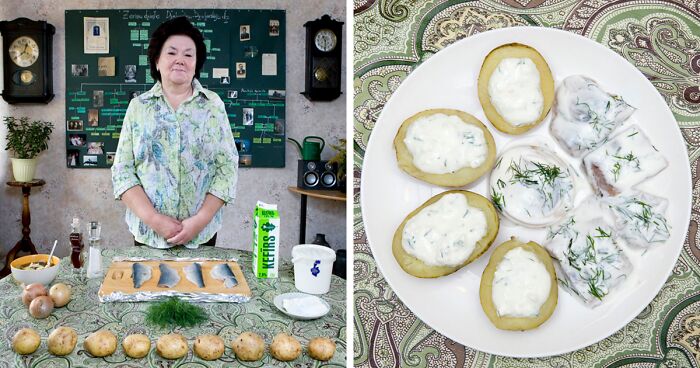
(661, 38)
(86, 314)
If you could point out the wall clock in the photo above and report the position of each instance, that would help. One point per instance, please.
(324, 55)
(27, 61)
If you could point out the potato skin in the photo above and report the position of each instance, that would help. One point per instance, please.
(26, 341)
(418, 268)
(136, 345)
(321, 348)
(248, 346)
(62, 341)
(209, 347)
(285, 347)
(101, 343)
(486, 288)
(514, 50)
(458, 178)
(172, 346)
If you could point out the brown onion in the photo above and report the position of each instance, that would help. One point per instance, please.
(60, 294)
(32, 291)
(41, 307)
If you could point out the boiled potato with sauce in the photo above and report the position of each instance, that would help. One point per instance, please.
(172, 346)
(491, 64)
(248, 346)
(417, 267)
(463, 175)
(136, 345)
(285, 347)
(486, 288)
(101, 343)
(209, 347)
(26, 341)
(62, 341)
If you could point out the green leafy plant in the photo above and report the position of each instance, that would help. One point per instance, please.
(175, 312)
(340, 157)
(27, 138)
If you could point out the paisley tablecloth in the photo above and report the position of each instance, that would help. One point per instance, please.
(661, 38)
(86, 314)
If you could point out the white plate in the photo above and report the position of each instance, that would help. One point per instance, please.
(450, 304)
(279, 303)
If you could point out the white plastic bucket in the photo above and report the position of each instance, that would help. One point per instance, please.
(313, 265)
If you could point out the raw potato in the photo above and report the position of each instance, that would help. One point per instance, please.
(101, 343)
(136, 345)
(514, 50)
(62, 341)
(26, 341)
(418, 268)
(248, 346)
(209, 347)
(60, 294)
(486, 288)
(172, 346)
(321, 348)
(458, 178)
(285, 347)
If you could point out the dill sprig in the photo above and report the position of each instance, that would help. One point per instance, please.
(616, 170)
(498, 200)
(593, 282)
(175, 312)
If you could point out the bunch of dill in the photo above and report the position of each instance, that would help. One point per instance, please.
(175, 312)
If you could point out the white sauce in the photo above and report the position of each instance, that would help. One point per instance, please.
(531, 186)
(521, 284)
(623, 162)
(442, 144)
(591, 260)
(514, 89)
(640, 218)
(585, 115)
(444, 233)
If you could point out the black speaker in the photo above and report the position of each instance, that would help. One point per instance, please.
(317, 175)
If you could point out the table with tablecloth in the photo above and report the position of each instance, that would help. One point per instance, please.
(660, 38)
(86, 314)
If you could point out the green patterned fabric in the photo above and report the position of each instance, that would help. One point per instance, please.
(177, 156)
(86, 315)
(661, 38)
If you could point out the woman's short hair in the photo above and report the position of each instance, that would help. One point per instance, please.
(172, 27)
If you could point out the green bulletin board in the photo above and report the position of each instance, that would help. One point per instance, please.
(246, 45)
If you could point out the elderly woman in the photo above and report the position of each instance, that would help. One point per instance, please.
(176, 164)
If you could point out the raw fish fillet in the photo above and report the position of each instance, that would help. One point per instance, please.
(193, 273)
(223, 272)
(168, 276)
(140, 274)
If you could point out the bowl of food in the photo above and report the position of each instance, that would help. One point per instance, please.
(32, 269)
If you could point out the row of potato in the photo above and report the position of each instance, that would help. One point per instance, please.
(248, 346)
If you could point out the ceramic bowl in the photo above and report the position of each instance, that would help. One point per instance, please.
(44, 275)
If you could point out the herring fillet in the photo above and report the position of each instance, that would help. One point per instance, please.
(193, 273)
(168, 276)
(140, 274)
(222, 271)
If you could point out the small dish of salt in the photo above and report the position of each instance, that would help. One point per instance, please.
(302, 306)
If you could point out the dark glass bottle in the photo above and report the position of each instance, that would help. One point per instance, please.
(320, 239)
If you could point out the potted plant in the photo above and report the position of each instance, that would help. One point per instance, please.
(26, 139)
(340, 160)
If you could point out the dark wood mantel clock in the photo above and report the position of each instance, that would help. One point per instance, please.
(324, 55)
(27, 61)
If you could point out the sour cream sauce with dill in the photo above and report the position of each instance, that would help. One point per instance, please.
(521, 284)
(444, 233)
(531, 186)
(514, 90)
(442, 144)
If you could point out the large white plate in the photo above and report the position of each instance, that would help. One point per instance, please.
(450, 304)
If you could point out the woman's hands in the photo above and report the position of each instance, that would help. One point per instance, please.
(190, 227)
(165, 226)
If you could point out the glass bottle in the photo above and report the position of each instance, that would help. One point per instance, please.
(94, 253)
